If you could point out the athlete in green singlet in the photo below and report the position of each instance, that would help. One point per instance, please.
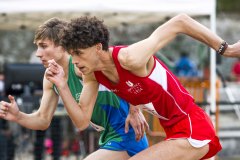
(108, 117)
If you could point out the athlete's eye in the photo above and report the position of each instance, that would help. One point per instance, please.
(42, 46)
(76, 52)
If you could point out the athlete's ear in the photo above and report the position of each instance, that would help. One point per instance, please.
(99, 46)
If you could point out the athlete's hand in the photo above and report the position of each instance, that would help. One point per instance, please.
(233, 50)
(55, 74)
(9, 111)
(137, 120)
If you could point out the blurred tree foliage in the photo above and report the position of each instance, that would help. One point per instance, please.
(231, 6)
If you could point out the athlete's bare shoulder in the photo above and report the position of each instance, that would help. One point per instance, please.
(123, 58)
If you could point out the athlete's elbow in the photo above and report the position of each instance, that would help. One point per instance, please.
(82, 128)
(45, 124)
(181, 22)
(43, 127)
(83, 125)
(44, 121)
(182, 16)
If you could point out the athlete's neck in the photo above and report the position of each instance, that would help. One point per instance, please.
(64, 62)
(108, 67)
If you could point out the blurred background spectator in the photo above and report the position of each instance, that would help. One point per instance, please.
(185, 67)
(235, 70)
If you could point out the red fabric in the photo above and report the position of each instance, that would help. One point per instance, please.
(202, 129)
(236, 70)
(160, 88)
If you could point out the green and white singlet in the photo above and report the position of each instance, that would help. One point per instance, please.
(108, 117)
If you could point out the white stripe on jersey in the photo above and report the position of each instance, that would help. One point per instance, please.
(159, 70)
(162, 80)
(194, 142)
(103, 88)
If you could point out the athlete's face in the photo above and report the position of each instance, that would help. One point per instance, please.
(86, 59)
(46, 50)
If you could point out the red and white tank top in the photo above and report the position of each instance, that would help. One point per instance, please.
(160, 92)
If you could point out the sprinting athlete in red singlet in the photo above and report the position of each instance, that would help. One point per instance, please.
(162, 95)
(134, 74)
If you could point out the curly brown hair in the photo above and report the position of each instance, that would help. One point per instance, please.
(85, 32)
(52, 29)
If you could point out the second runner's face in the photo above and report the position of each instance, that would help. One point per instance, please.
(85, 59)
(46, 50)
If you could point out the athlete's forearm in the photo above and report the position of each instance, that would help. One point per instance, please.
(186, 25)
(198, 31)
(34, 121)
(79, 116)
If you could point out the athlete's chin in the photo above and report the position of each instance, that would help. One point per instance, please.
(45, 65)
(85, 70)
(86, 73)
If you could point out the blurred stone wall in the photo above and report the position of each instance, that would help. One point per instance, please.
(15, 46)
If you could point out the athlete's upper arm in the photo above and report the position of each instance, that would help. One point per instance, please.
(49, 101)
(138, 54)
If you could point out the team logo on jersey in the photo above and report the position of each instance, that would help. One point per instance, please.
(77, 96)
(129, 83)
(134, 88)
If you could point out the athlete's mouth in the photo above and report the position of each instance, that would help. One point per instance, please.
(81, 68)
(45, 63)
